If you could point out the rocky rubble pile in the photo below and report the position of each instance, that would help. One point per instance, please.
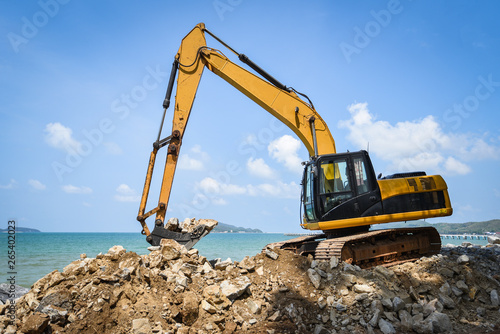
(172, 290)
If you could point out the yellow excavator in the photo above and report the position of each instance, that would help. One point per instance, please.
(341, 196)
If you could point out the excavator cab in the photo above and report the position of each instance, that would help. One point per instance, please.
(340, 186)
(341, 192)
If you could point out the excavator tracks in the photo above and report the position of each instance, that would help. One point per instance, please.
(368, 249)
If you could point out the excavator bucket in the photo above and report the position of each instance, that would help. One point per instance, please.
(187, 235)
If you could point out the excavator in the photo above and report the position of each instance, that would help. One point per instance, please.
(341, 195)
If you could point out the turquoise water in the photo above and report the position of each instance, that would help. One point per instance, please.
(37, 254)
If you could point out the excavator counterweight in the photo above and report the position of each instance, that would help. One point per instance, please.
(340, 196)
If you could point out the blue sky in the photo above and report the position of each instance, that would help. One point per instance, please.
(82, 85)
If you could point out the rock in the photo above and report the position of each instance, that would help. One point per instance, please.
(214, 296)
(260, 271)
(430, 307)
(115, 252)
(7, 289)
(314, 277)
(271, 254)
(253, 306)
(440, 322)
(247, 264)
(386, 327)
(481, 311)
(446, 301)
(422, 326)
(141, 326)
(57, 315)
(322, 302)
(375, 318)
(189, 309)
(35, 323)
(208, 307)
(463, 259)
(398, 304)
(462, 286)
(387, 273)
(334, 262)
(222, 265)
(447, 272)
(406, 320)
(493, 240)
(172, 224)
(494, 298)
(232, 289)
(362, 288)
(60, 299)
(445, 289)
(170, 249)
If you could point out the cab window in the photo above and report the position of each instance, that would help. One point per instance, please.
(334, 183)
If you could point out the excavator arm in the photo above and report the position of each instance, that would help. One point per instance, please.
(280, 101)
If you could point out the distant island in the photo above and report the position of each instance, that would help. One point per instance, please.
(226, 228)
(20, 229)
(450, 228)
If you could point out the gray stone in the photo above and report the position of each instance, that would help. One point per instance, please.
(375, 318)
(398, 304)
(386, 327)
(456, 291)
(463, 259)
(314, 277)
(445, 289)
(271, 254)
(406, 320)
(446, 272)
(387, 303)
(422, 327)
(432, 306)
(494, 298)
(440, 322)
(360, 297)
(385, 272)
(446, 301)
(334, 262)
(7, 289)
(481, 311)
(462, 286)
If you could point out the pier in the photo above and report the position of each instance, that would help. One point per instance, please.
(465, 236)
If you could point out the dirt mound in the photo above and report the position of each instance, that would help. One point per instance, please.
(172, 290)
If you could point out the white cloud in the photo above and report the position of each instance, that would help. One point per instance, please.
(284, 150)
(259, 168)
(415, 145)
(213, 188)
(193, 160)
(70, 189)
(126, 194)
(188, 163)
(37, 185)
(11, 185)
(278, 189)
(61, 137)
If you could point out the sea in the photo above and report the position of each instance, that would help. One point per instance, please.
(37, 254)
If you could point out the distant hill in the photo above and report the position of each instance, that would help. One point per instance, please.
(221, 228)
(21, 229)
(450, 228)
